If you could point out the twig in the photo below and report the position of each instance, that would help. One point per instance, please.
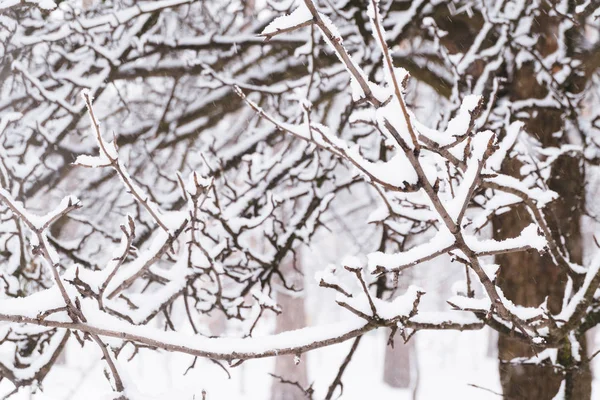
(338, 378)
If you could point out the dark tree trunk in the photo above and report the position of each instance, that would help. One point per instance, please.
(528, 278)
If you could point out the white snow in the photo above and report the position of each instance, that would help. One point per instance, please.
(299, 16)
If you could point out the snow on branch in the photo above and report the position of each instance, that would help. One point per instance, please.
(251, 151)
(297, 19)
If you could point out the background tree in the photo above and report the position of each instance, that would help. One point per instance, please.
(203, 124)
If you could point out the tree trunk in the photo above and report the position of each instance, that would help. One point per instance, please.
(398, 371)
(292, 317)
(400, 360)
(528, 278)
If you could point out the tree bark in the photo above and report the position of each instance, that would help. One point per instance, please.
(529, 278)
